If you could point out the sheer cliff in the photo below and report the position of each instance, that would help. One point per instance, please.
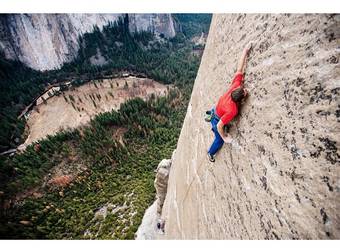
(46, 41)
(280, 178)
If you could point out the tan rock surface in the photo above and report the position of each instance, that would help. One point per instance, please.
(281, 178)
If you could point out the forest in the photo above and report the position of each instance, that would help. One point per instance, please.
(110, 162)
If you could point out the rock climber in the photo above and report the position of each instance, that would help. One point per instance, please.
(227, 107)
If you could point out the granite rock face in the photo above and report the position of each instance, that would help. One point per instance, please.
(280, 179)
(158, 23)
(46, 41)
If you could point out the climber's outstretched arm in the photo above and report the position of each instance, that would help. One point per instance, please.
(242, 63)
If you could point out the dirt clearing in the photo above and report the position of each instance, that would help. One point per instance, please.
(76, 107)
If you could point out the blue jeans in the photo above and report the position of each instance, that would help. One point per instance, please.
(218, 141)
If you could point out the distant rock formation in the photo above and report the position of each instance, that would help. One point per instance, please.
(280, 179)
(161, 24)
(46, 41)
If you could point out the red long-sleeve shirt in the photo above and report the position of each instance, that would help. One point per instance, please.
(226, 108)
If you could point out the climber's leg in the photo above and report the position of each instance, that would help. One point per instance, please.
(216, 145)
(218, 141)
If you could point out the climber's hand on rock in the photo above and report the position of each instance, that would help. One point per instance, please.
(249, 46)
(227, 139)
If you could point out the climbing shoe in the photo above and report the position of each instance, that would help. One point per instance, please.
(211, 157)
(208, 116)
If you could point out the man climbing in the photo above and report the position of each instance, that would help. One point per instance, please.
(227, 107)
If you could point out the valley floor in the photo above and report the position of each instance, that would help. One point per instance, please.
(78, 106)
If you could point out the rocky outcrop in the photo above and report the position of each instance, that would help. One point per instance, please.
(148, 229)
(161, 182)
(46, 41)
(280, 179)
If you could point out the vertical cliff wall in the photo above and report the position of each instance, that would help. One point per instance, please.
(281, 178)
(46, 41)
(158, 23)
